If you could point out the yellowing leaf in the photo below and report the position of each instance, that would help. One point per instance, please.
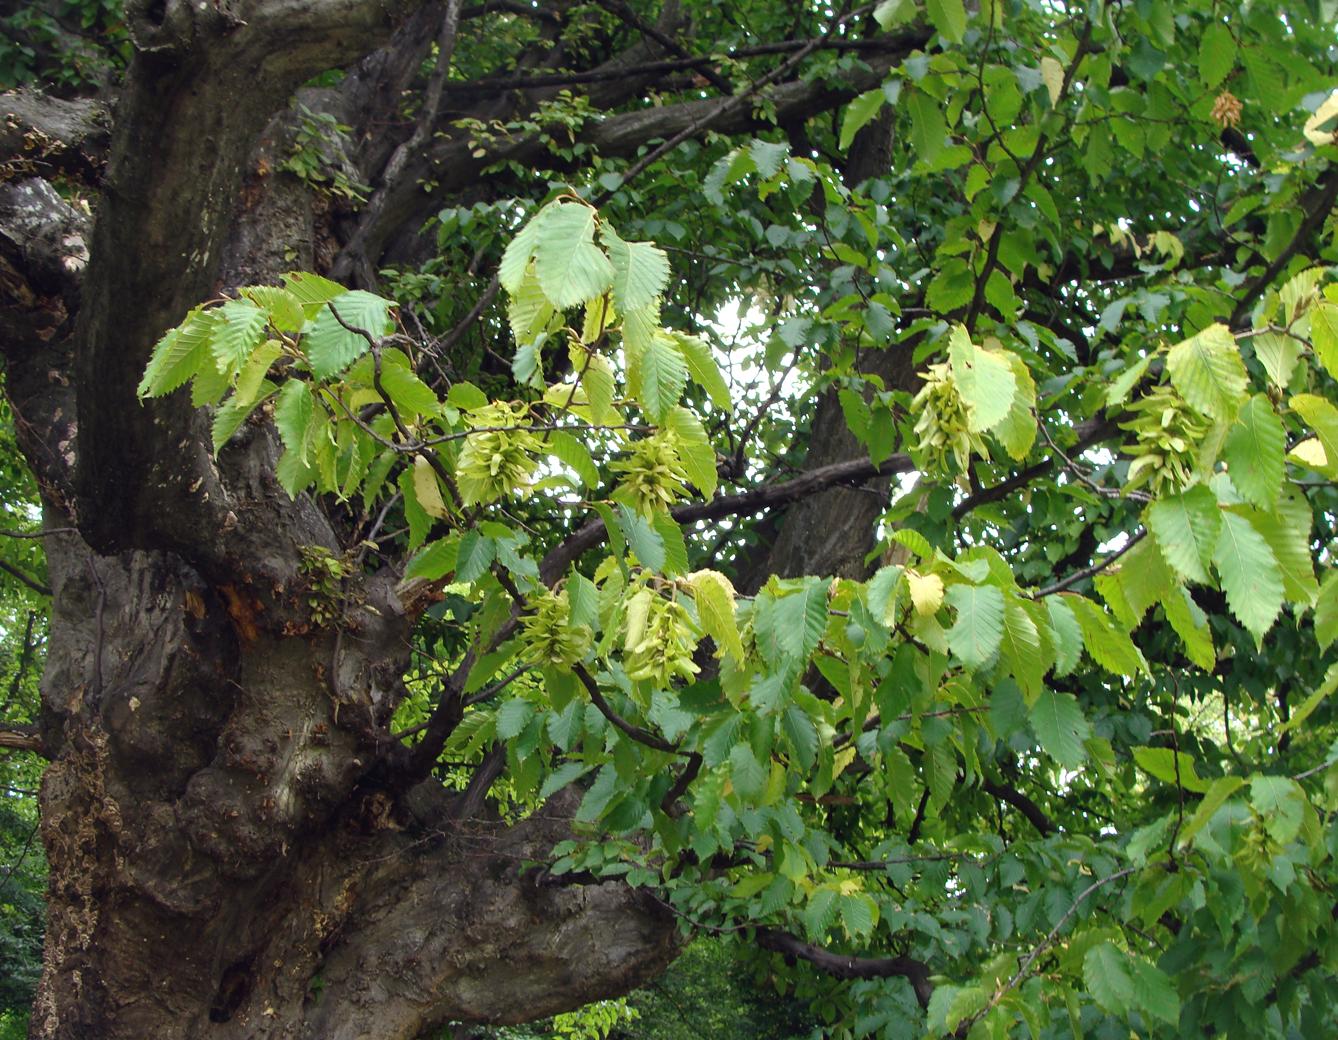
(1053, 74)
(714, 596)
(926, 591)
(427, 489)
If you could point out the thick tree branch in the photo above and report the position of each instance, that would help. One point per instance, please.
(1019, 801)
(20, 738)
(842, 966)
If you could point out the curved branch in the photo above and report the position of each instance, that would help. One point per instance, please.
(846, 967)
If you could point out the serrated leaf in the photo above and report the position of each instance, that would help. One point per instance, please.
(519, 252)
(435, 560)
(410, 395)
(474, 556)
(1067, 634)
(858, 113)
(229, 418)
(640, 271)
(1187, 527)
(1017, 430)
(527, 309)
(984, 379)
(746, 773)
(1322, 417)
(1020, 648)
(948, 17)
(703, 369)
(801, 735)
(859, 914)
(1109, 645)
(571, 269)
(569, 450)
(975, 635)
(330, 346)
(714, 596)
(882, 594)
(239, 327)
(1208, 371)
(801, 618)
(1191, 625)
(1278, 354)
(1254, 451)
(311, 290)
(598, 383)
(695, 450)
(642, 539)
(1217, 54)
(675, 548)
(1106, 975)
(283, 309)
(178, 355)
(1326, 610)
(664, 374)
(1287, 532)
(1060, 726)
(252, 375)
(1249, 575)
(926, 592)
(1213, 799)
(929, 128)
(1170, 767)
(1324, 335)
(819, 913)
(1145, 578)
(1052, 75)
(293, 411)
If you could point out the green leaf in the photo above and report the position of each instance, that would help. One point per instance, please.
(891, 13)
(311, 290)
(180, 353)
(801, 735)
(1308, 706)
(858, 113)
(239, 327)
(929, 130)
(859, 914)
(252, 375)
(703, 369)
(1154, 994)
(1322, 417)
(640, 272)
(819, 913)
(714, 596)
(978, 630)
(519, 252)
(1326, 610)
(801, 618)
(435, 560)
(882, 594)
(330, 346)
(1278, 354)
(282, 308)
(1213, 799)
(748, 775)
(1217, 54)
(1106, 974)
(229, 418)
(1324, 335)
(1208, 372)
(410, 395)
(1021, 648)
(474, 556)
(1191, 625)
(293, 412)
(664, 374)
(1254, 451)
(570, 267)
(1109, 645)
(1249, 575)
(1187, 527)
(1017, 430)
(675, 549)
(575, 455)
(1067, 633)
(1287, 532)
(642, 539)
(984, 379)
(948, 17)
(1163, 764)
(694, 449)
(598, 383)
(1060, 727)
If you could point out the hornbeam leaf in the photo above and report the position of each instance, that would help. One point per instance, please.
(644, 541)
(714, 596)
(882, 591)
(1218, 792)
(180, 353)
(427, 489)
(1278, 354)
(1191, 625)
(664, 374)
(984, 379)
(1324, 335)
(640, 271)
(1017, 430)
(239, 327)
(1287, 532)
(1249, 574)
(282, 308)
(253, 373)
(926, 592)
(571, 451)
(975, 635)
(1208, 372)
(1109, 645)
(859, 112)
(1186, 527)
(330, 346)
(435, 560)
(1322, 417)
(311, 290)
(229, 418)
(1254, 451)
(675, 548)
(694, 449)
(1107, 976)
(598, 384)
(1060, 727)
(292, 414)
(1021, 648)
(570, 267)
(519, 252)
(1067, 634)
(703, 369)
(949, 18)
(801, 618)
(1217, 54)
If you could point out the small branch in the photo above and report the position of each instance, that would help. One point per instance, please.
(1095, 568)
(1023, 804)
(32, 583)
(641, 736)
(39, 534)
(846, 967)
